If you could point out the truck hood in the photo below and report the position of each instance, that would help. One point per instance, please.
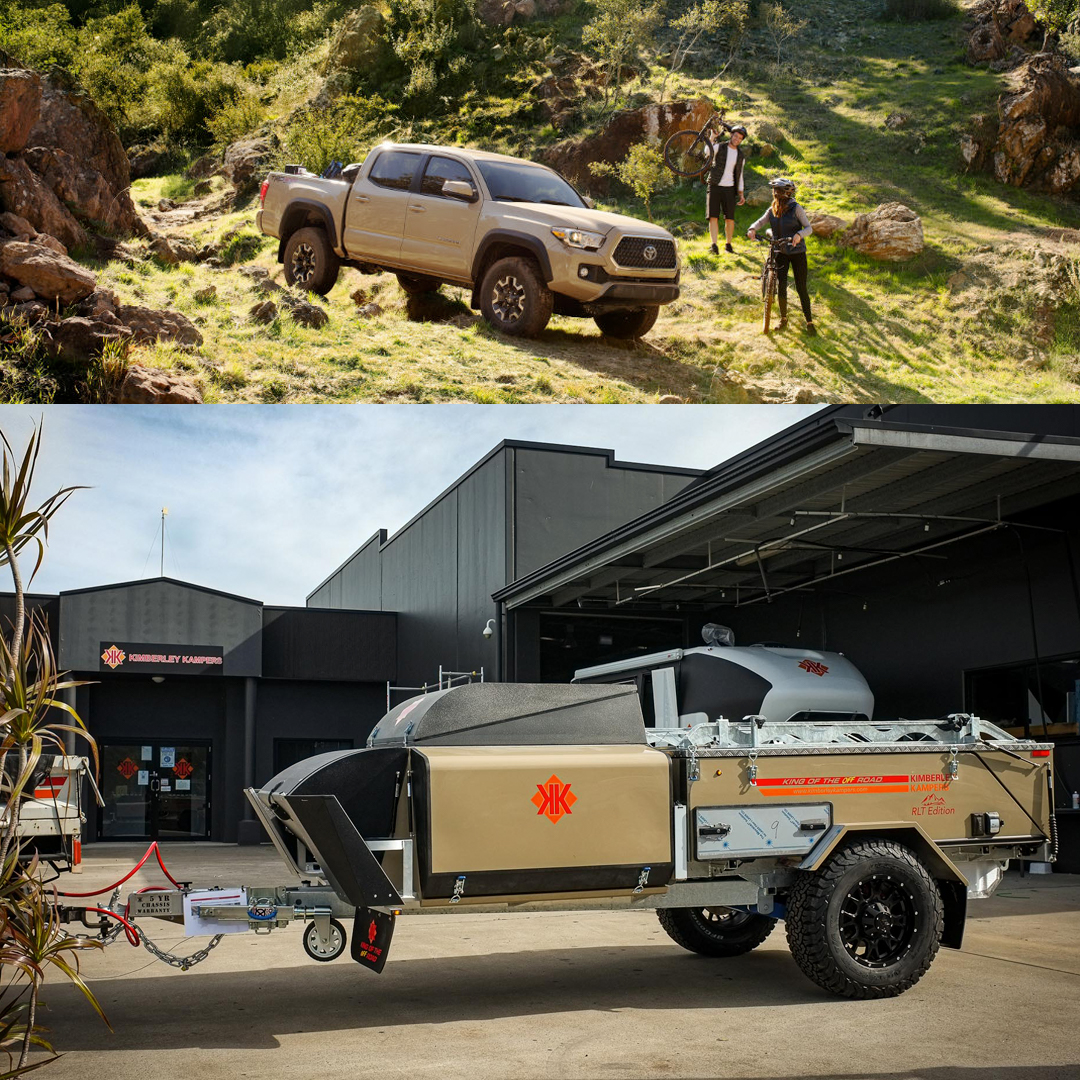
(600, 221)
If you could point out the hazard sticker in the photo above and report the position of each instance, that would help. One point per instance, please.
(553, 799)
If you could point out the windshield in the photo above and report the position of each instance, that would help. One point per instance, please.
(509, 181)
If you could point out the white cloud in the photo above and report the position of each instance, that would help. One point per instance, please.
(265, 501)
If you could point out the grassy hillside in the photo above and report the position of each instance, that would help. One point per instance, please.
(989, 312)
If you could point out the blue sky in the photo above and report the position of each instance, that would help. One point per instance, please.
(265, 501)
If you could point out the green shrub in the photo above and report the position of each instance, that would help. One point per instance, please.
(342, 132)
(236, 119)
(38, 36)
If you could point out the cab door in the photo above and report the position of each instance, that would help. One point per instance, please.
(439, 228)
(375, 219)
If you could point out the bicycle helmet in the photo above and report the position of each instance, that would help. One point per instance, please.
(738, 129)
(783, 185)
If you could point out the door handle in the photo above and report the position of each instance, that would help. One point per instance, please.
(155, 786)
(361, 198)
(418, 209)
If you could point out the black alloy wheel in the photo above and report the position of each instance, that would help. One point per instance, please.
(515, 298)
(310, 261)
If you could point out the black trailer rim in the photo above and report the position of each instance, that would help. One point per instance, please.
(303, 262)
(877, 921)
(722, 918)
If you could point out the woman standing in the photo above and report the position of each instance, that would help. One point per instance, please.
(788, 221)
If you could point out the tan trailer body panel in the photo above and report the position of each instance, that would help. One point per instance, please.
(540, 807)
(888, 786)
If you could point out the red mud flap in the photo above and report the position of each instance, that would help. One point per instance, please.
(371, 936)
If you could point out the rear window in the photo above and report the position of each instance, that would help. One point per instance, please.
(441, 169)
(394, 169)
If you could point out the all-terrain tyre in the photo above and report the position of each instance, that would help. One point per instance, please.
(869, 923)
(514, 297)
(628, 324)
(417, 284)
(716, 931)
(310, 262)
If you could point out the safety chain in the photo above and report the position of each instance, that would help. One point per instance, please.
(181, 962)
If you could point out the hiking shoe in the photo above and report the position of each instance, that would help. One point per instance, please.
(811, 329)
(729, 249)
(713, 249)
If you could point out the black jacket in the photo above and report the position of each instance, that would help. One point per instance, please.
(716, 169)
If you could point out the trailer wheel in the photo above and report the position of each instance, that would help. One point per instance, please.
(868, 924)
(716, 931)
(314, 947)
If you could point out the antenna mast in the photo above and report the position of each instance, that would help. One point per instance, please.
(164, 511)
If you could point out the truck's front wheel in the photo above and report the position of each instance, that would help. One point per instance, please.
(627, 324)
(310, 262)
(716, 931)
(514, 297)
(868, 924)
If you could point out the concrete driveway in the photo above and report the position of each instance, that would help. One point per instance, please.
(562, 995)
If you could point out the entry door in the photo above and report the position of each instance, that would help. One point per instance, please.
(439, 228)
(155, 790)
(375, 219)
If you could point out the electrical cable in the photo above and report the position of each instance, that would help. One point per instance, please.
(153, 849)
(131, 933)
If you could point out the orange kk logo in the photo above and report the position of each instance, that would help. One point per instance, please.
(813, 667)
(553, 799)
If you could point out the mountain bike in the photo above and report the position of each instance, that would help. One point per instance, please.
(688, 152)
(770, 275)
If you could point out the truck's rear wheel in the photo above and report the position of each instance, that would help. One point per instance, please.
(514, 297)
(716, 931)
(310, 262)
(417, 284)
(868, 924)
(628, 324)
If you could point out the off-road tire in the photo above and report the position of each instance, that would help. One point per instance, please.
(417, 284)
(514, 297)
(310, 262)
(823, 933)
(628, 324)
(715, 931)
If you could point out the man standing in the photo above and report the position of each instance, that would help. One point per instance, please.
(725, 191)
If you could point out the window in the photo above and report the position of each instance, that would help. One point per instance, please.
(394, 169)
(441, 169)
(511, 181)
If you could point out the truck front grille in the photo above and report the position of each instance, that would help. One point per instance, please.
(645, 253)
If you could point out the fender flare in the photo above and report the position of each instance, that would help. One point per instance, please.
(951, 882)
(303, 207)
(533, 244)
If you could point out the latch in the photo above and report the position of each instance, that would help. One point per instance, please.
(459, 890)
(716, 832)
(643, 879)
(952, 768)
(812, 826)
(751, 768)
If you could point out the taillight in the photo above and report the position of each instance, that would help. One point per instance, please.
(262, 192)
(1040, 753)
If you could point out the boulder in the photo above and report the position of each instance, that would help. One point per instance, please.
(80, 338)
(246, 161)
(148, 326)
(759, 196)
(99, 302)
(207, 295)
(20, 102)
(892, 232)
(264, 312)
(826, 225)
(24, 194)
(144, 161)
(306, 313)
(90, 157)
(359, 41)
(652, 123)
(52, 276)
(22, 294)
(202, 187)
(202, 168)
(145, 386)
(161, 248)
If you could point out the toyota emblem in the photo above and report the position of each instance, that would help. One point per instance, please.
(650, 253)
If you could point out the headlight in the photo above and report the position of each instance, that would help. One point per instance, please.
(576, 238)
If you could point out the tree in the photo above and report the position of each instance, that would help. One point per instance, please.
(781, 26)
(1055, 15)
(642, 170)
(619, 29)
(725, 20)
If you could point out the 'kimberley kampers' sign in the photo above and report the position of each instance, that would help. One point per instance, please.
(137, 656)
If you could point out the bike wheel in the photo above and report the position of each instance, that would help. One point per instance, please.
(688, 153)
(768, 288)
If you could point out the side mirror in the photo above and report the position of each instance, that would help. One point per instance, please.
(590, 203)
(459, 189)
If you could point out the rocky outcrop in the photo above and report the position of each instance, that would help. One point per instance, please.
(997, 27)
(892, 232)
(80, 337)
(359, 41)
(50, 275)
(144, 386)
(651, 123)
(65, 164)
(246, 161)
(826, 225)
(1036, 140)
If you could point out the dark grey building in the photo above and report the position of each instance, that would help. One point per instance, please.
(192, 694)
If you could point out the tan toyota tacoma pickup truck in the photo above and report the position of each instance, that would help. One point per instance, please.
(514, 232)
